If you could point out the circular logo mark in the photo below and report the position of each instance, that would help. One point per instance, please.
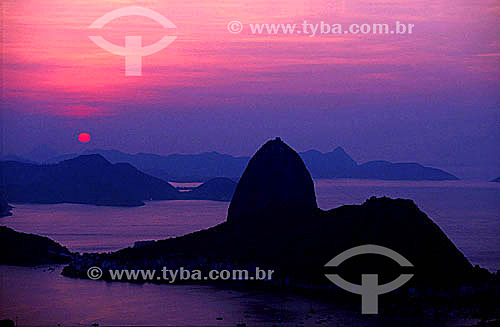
(94, 273)
(133, 50)
(235, 27)
(369, 288)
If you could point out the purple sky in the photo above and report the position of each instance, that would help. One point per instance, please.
(432, 96)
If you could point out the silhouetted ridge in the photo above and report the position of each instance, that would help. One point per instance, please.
(87, 179)
(21, 249)
(88, 161)
(275, 181)
(208, 165)
(327, 165)
(385, 170)
(216, 189)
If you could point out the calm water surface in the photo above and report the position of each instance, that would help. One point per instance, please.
(469, 213)
(86, 228)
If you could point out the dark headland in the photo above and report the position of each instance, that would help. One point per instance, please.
(274, 223)
(91, 179)
(88, 179)
(21, 249)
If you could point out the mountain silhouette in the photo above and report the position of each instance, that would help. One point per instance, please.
(175, 167)
(87, 179)
(208, 165)
(275, 181)
(216, 189)
(385, 170)
(273, 222)
(13, 157)
(328, 165)
(91, 179)
(496, 180)
(21, 249)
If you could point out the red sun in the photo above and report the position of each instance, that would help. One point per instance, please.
(84, 137)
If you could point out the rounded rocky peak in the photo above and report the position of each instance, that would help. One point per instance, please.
(275, 185)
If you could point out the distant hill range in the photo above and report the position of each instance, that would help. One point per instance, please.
(386, 170)
(216, 189)
(496, 180)
(205, 166)
(175, 167)
(13, 157)
(91, 179)
(115, 178)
